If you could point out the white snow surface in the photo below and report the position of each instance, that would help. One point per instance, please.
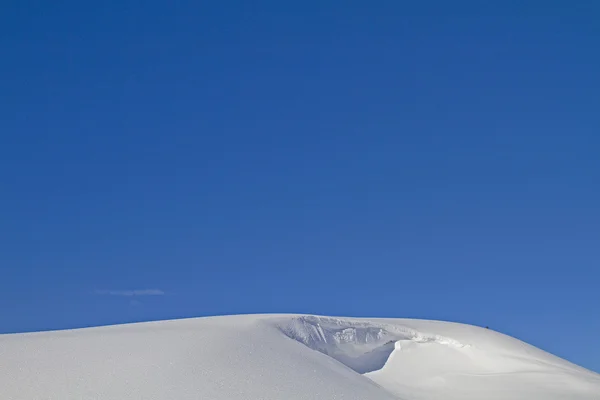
(285, 357)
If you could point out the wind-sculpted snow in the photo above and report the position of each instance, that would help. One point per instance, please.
(361, 345)
(292, 357)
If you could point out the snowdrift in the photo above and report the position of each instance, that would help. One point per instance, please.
(291, 357)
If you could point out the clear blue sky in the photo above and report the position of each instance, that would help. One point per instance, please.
(372, 159)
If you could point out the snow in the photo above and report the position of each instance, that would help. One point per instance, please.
(293, 357)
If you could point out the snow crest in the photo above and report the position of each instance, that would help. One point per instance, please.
(360, 345)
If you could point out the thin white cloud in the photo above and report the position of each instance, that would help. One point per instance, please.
(130, 293)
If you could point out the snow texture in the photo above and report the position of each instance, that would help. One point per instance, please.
(292, 357)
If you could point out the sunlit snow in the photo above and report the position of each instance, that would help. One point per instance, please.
(285, 357)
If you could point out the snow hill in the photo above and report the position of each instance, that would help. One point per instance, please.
(285, 357)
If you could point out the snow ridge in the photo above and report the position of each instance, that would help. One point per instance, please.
(293, 357)
(360, 345)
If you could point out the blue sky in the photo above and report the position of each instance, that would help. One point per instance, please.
(176, 159)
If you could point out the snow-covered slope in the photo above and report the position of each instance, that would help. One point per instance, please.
(292, 357)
